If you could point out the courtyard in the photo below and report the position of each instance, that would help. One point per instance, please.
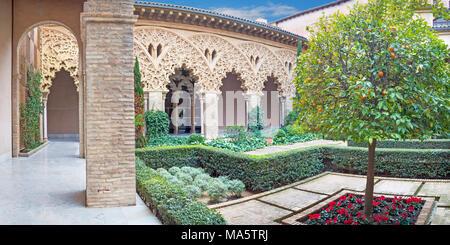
(125, 112)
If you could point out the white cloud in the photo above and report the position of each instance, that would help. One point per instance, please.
(268, 11)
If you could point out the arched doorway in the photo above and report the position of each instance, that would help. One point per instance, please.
(182, 103)
(51, 49)
(62, 108)
(232, 109)
(271, 104)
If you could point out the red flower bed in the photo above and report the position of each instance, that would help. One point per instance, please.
(349, 210)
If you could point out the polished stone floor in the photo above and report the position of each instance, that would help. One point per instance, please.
(49, 188)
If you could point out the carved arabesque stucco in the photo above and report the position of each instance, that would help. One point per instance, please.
(58, 49)
(289, 59)
(228, 58)
(157, 64)
(210, 57)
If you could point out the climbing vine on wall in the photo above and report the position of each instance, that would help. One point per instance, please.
(139, 121)
(31, 110)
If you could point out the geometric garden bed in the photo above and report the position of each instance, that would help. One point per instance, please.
(347, 208)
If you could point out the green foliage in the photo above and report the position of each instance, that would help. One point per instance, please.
(409, 144)
(248, 144)
(174, 170)
(406, 163)
(184, 177)
(202, 180)
(291, 117)
(195, 139)
(192, 191)
(216, 189)
(139, 121)
(166, 140)
(280, 137)
(377, 73)
(157, 123)
(31, 110)
(261, 173)
(193, 172)
(236, 187)
(256, 121)
(170, 203)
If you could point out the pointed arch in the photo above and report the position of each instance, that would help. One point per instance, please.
(172, 51)
(226, 57)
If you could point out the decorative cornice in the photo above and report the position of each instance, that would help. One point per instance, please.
(211, 19)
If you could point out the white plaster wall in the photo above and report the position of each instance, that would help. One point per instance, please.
(5, 78)
(446, 37)
(298, 24)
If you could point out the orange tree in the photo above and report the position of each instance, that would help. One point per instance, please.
(375, 73)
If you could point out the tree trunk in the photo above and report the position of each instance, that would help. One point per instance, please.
(368, 205)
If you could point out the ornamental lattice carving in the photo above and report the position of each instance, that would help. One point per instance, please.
(58, 49)
(227, 58)
(209, 57)
(161, 51)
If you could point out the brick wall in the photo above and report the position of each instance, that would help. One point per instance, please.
(109, 109)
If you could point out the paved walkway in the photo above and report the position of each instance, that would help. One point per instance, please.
(280, 148)
(271, 207)
(49, 188)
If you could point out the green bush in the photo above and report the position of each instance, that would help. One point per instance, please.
(280, 137)
(195, 139)
(170, 203)
(30, 111)
(236, 133)
(249, 144)
(292, 117)
(192, 191)
(157, 123)
(216, 189)
(201, 181)
(261, 173)
(406, 163)
(166, 140)
(193, 172)
(236, 187)
(174, 170)
(408, 144)
(184, 177)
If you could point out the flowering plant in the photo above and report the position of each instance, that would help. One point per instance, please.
(348, 210)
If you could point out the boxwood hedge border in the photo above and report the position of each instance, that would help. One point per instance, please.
(266, 172)
(408, 144)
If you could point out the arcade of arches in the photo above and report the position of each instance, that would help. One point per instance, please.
(208, 71)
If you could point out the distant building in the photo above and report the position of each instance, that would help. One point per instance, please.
(298, 22)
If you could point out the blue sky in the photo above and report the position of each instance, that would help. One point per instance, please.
(270, 10)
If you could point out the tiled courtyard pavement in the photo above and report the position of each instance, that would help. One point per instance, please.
(271, 207)
(279, 148)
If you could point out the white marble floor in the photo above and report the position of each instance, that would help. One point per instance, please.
(48, 188)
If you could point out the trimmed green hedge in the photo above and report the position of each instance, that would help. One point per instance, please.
(409, 144)
(389, 162)
(170, 202)
(261, 173)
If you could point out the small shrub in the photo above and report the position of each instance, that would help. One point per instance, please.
(157, 123)
(216, 189)
(162, 171)
(236, 133)
(195, 139)
(184, 177)
(280, 137)
(292, 117)
(201, 181)
(236, 187)
(193, 172)
(224, 180)
(192, 191)
(292, 130)
(174, 170)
